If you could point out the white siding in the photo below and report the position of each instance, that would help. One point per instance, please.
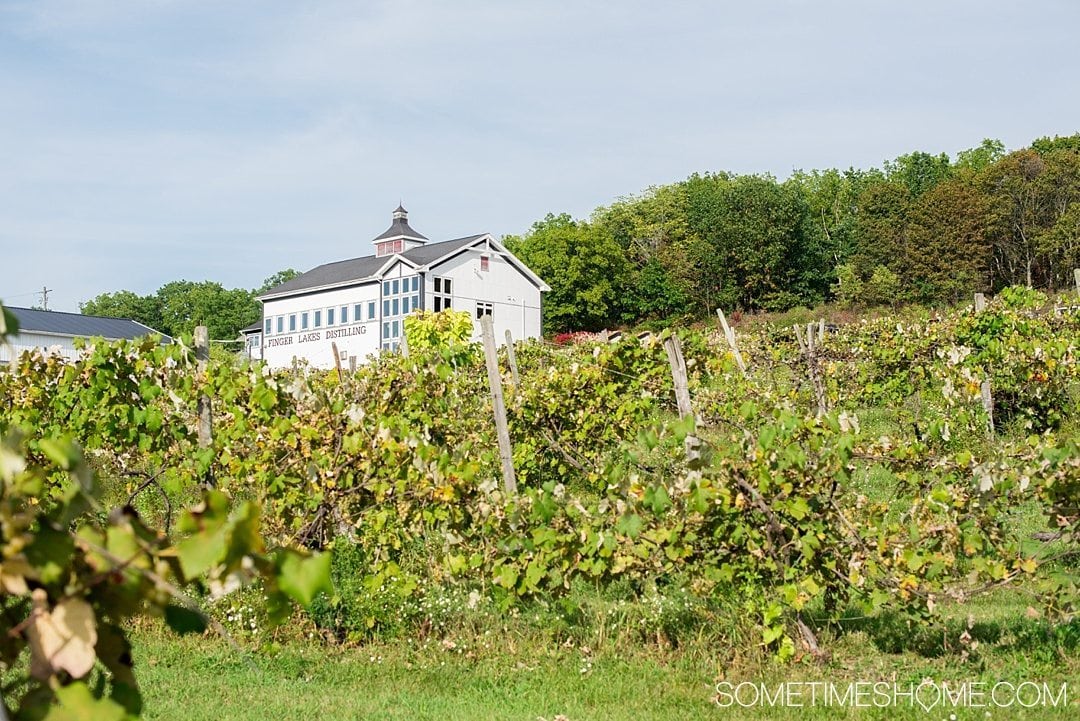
(355, 338)
(63, 345)
(515, 299)
(253, 345)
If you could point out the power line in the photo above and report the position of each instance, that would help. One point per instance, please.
(23, 295)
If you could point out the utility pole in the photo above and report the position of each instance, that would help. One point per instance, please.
(45, 297)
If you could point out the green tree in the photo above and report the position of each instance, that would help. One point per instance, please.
(947, 254)
(186, 304)
(918, 171)
(282, 276)
(1030, 193)
(1044, 146)
(126, 304)
(178, 306)
(978, 159)
(880, 227)
(652, 231)
(748, 246)
(585, 267)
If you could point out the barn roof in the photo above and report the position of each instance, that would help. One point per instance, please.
(53, 322)
(366, 267)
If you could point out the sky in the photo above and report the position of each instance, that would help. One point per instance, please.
(156, 140)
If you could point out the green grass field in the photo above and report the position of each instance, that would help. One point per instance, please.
(523, 674)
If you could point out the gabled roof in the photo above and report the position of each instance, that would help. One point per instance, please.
(51, 322)
(427, 254)
(498, 248)
(359, 270)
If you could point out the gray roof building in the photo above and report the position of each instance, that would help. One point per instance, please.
(76, 325)
(350, 310)
(365, 268)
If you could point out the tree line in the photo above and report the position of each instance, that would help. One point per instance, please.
(922, 228)
(180, 305)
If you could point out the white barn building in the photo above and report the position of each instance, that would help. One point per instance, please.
(54, 332)
(361, 304)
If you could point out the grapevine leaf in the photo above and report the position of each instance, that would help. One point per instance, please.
(302, 577)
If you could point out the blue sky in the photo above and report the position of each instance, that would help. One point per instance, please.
(143, 142)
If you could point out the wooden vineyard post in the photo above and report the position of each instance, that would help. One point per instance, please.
(337, 362)
(404, 346)
(988, 405)
(506, 452)
(729, 336)
(512, 356)
(984, 388)
(673, 347)
(203, 406)
(809, 351)
(1076, 277)
(352, 364)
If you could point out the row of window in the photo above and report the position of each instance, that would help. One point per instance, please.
(389, 247)
(400, 286)
(307, 320)
(400, 296)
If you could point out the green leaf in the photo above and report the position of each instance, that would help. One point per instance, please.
(506, 576)
(629, 524)
(61, 452)
(658, 500)
(50, 552)
(302, 577)
(798, 508)
(771, 633)
(9, 324)
(77, 703)
(199, 553)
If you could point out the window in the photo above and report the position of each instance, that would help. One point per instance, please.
(483, 309)
(371, 310)
(304, 320)
(329, 316)
(441, 296)
(395, 329)
(268, 325)
(281, 324)
(389, 246)
(344, 315)
(356, 314)
(318, 319)
(485, 263)
(396, 301)
(386, 329)
(292, 322)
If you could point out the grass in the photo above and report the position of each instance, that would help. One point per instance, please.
(197, 679)
(523, 673)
